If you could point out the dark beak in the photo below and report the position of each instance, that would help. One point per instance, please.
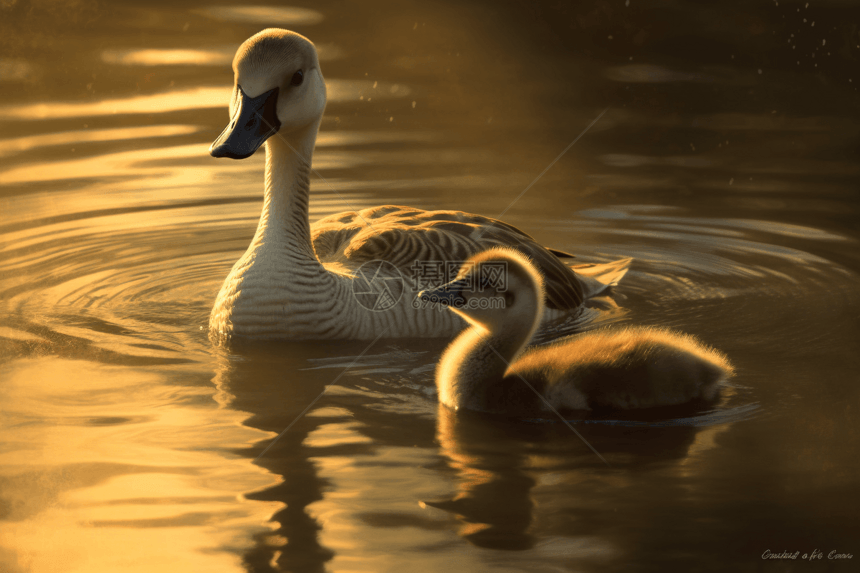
(450, 294)
(253, 122)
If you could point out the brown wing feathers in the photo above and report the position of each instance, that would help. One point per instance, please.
(402, 235)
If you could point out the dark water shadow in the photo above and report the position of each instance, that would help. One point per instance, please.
(499, 460)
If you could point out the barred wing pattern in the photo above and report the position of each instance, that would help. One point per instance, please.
(403, 235)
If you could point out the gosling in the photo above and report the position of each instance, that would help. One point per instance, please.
(500, 293)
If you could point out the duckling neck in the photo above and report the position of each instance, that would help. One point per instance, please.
(475, 361)
(497, 350)
(284, 221)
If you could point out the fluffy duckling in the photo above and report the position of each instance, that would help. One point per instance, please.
(486, 369)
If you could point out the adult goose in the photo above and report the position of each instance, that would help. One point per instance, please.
(298, 281)
(486, 369)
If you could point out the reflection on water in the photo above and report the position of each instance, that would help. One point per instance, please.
(223, 56)
(272, 16)
(114, 462)
(188, 99)
(26, 144)
(723, 167)
(504, 468)
(195, 98)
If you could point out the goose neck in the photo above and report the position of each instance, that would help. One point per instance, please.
(285, 206)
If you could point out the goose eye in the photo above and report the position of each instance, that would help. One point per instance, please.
(298, 77)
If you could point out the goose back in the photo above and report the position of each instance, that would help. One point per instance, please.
(404, 235)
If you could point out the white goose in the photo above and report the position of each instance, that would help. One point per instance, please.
(486, 369)
(296, 281)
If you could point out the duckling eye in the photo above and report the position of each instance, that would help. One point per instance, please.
(298, 78)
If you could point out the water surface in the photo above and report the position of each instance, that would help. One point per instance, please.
(725, 165)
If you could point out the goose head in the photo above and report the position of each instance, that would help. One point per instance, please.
(497, 290)
(278, 88)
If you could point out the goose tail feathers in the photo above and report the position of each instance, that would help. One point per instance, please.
(598, 278)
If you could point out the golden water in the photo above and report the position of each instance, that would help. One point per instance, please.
(128, 442)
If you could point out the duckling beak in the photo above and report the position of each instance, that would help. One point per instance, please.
(449, 295)
(253, 122)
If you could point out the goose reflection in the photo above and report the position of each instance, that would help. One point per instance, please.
(266, 381)
(282, 385)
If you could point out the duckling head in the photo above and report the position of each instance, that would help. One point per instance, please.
(278, 88)
(496, 290)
